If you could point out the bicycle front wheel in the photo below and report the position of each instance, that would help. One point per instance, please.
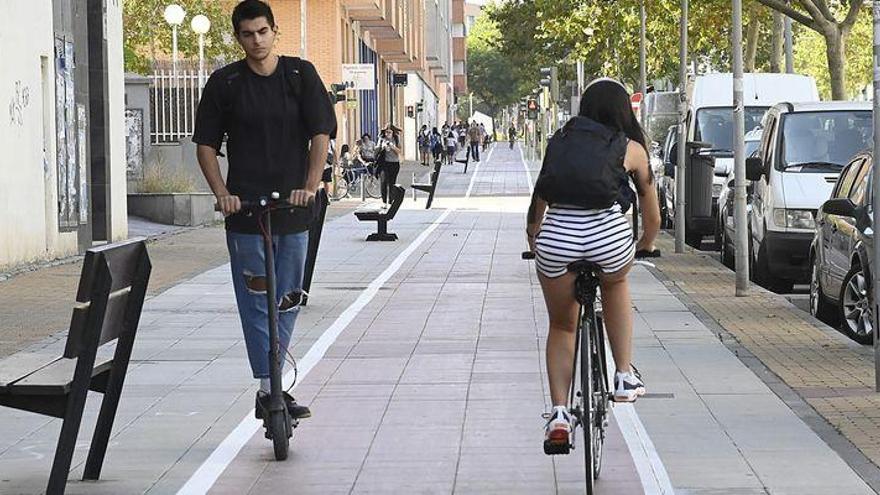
(372, 185)
(340, 188)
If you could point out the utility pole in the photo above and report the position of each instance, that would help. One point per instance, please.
(876, 186)
(739, 158)
(681, 166)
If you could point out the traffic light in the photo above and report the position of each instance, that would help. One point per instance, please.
(550, 80)
(532, 109)
(420, 107)
(337, 91)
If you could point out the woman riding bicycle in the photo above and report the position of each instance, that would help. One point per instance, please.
(599, 233)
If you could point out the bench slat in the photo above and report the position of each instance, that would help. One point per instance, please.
(55, 379)
(22, 364)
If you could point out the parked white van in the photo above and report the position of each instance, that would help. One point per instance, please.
(803, 149)
(710, 120)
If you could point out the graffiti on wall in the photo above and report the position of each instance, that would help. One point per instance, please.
(134, 143)
(19, 102)
(67, 137)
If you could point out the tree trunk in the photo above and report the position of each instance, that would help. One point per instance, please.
(835, 43)
(777, 43)
(751, 54)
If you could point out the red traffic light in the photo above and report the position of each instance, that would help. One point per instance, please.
(532, 105)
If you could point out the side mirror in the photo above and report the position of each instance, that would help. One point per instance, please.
(754, 168)
(843, 207)
(669, 170)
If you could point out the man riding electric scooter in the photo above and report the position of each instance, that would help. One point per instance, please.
(278, 119)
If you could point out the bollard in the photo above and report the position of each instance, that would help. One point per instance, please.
(413, 181)
(315, 230)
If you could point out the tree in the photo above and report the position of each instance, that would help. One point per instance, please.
(822, 16)
(147, 37)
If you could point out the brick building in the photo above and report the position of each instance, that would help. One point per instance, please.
(399, 37)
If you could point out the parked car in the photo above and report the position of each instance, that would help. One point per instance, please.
(710, 120)
(726, 227)
(664, 177)
(803, 150)
(661, 111)
(841, 253)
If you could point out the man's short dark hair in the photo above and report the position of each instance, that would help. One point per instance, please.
(251, 9)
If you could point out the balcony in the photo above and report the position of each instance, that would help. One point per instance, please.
(364, 10)
(393, 50)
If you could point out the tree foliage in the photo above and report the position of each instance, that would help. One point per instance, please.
(147, 37)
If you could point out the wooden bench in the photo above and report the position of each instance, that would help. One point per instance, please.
(382, 216)
(108, 306)
(430, 186)
(466, 160)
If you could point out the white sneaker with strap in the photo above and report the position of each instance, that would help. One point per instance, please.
(628, 386)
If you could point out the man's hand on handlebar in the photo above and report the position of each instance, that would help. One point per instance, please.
(301, 197)
(229, 204)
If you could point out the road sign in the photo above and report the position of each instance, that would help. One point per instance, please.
(636, 102)
(532, 108)
(361, 76)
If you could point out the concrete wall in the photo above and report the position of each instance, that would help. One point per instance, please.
(29, 227)
(28, 190)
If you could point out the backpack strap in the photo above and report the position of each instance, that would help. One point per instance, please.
(291, 67)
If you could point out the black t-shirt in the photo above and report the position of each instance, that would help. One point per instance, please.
(269, 122)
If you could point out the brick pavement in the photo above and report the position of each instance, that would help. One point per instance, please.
(831, 373)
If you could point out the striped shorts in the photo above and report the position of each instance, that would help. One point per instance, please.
(569, 234)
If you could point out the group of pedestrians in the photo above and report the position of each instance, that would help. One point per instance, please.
(379, 157)
(443, 144)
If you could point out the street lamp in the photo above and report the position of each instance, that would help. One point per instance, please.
(174, 15)
(200, 24)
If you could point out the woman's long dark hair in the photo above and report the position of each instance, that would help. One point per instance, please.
(607, 102)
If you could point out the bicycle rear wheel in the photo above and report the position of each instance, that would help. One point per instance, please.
(588, 418)
(600, 393)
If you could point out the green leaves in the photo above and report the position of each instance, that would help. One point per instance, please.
(147, 37)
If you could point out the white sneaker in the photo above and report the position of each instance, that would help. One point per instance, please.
(557, 432)
(628, 386)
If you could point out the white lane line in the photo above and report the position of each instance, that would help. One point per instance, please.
(526, 167)
(652, 472)
(209, 472)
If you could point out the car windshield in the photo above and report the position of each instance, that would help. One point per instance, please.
(715, 125)
(811, 139)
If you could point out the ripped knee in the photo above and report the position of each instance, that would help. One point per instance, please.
(256, 284)
(291, 301)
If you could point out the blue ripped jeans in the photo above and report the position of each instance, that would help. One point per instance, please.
(248, 278)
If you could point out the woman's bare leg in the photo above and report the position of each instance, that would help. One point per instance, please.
(563, 311)
(618, 316)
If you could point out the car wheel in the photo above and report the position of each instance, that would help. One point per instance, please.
(855, 307)
(820, 307)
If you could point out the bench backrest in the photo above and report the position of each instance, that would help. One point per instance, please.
(110, 296)
(395, 195)
(435, 173)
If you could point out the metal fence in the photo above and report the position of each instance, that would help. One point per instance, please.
(173, 102)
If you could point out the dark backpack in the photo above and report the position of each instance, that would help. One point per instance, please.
(289, 65)
(583, 166)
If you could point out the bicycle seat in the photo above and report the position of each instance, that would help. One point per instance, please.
(584, 267)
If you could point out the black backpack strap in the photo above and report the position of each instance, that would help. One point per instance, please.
(292, 67)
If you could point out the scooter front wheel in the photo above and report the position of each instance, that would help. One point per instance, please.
(280, 431)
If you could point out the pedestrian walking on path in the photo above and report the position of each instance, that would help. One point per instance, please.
(388, 158)
(475, 138)
(575, 215)
(278, 120)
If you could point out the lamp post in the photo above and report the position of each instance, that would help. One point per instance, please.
(682, 132)
(200, 24)
(174, 15)
(876, 190)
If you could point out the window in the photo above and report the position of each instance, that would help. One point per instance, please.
(847, 178)
(715, 125)
(830, 138)
(861, 183)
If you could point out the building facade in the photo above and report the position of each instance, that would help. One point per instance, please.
(63, 139)
(410, 39)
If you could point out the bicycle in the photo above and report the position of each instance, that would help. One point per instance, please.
(278, 423)
(354, 178)
(588, 394)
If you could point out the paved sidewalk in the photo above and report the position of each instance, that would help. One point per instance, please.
(431, 379)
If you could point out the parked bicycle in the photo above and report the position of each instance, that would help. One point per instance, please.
(353, 178)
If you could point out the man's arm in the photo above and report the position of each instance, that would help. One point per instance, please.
(207, 157)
